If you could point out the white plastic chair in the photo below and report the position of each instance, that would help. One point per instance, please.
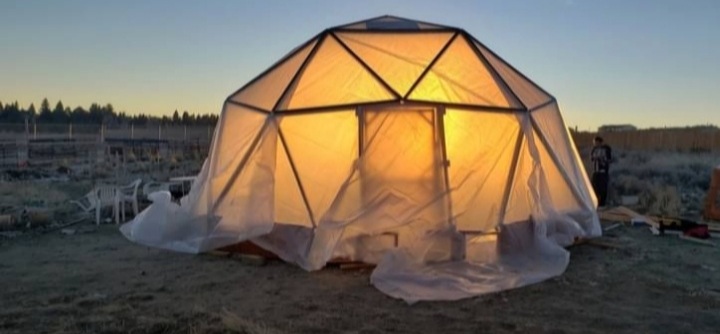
(107, 196)
(129, 193)
(87, 203)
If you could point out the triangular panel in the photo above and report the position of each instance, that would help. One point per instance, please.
(323, 159)
(538, 186)
(242, 201)
(289, 204)
(356, 26)
(238, 127)
(459, 76)
(391, 23)
(265, 92)
(480, 147)
(430, 26)
(556, 187)
(523, 196)
(387, 23)
(530, 94)
(552, 127)
(397, 58)
(333, 77)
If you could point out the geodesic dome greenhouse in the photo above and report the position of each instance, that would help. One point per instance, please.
(401, 143)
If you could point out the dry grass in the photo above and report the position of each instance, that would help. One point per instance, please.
(237, 324)
(667, 183)
(31, 194)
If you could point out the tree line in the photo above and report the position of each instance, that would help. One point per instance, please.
(95, 114)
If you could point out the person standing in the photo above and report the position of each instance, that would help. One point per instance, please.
(601, 157)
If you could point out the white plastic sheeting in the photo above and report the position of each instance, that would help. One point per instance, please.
(389, 205)
(470, 185)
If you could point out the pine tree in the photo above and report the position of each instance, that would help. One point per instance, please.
(58, 114)
(45, 112)
(95, 114)
(80, 115)
(186, 118)
(31, 113)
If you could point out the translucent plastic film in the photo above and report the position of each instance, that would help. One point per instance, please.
(459, 76)
(333, 77)
(399, 59)
(528, 93)
(480, 150)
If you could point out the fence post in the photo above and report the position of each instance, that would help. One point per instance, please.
(185, 132)
(27, 129)
(70, 134)
(102, 133)
(160, 131)
(132, 131)
(34, 130)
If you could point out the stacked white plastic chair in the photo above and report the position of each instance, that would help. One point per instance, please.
(129, 194)
(106, 195)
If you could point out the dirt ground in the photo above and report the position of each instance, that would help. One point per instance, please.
(95, 281)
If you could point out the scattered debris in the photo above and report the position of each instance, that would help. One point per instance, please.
(10, 234)
(687, 227)
(638, 221)
(629, 200)
(611, 227)
(710, 209)
(7, 222)
(713, 227)
(708, 268)
(624, 215)
(33, 217)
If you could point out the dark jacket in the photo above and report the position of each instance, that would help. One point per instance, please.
(601, 157)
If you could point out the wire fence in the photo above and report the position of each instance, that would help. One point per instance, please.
(679, 140)
(33, 131)
(43, 144)
(48, 144)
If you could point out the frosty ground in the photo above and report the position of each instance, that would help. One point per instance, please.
(95, 281)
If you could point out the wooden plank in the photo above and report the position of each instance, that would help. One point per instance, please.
(715, 227)
(250, 248)
(356, 266)
(626, 215)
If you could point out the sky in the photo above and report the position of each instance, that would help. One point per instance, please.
(650, 63)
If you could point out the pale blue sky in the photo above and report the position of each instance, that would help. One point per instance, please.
(646, 62)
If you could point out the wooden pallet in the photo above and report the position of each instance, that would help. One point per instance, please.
(249, 248)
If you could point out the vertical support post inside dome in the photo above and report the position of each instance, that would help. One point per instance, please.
(457, 248)
(359, 112)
